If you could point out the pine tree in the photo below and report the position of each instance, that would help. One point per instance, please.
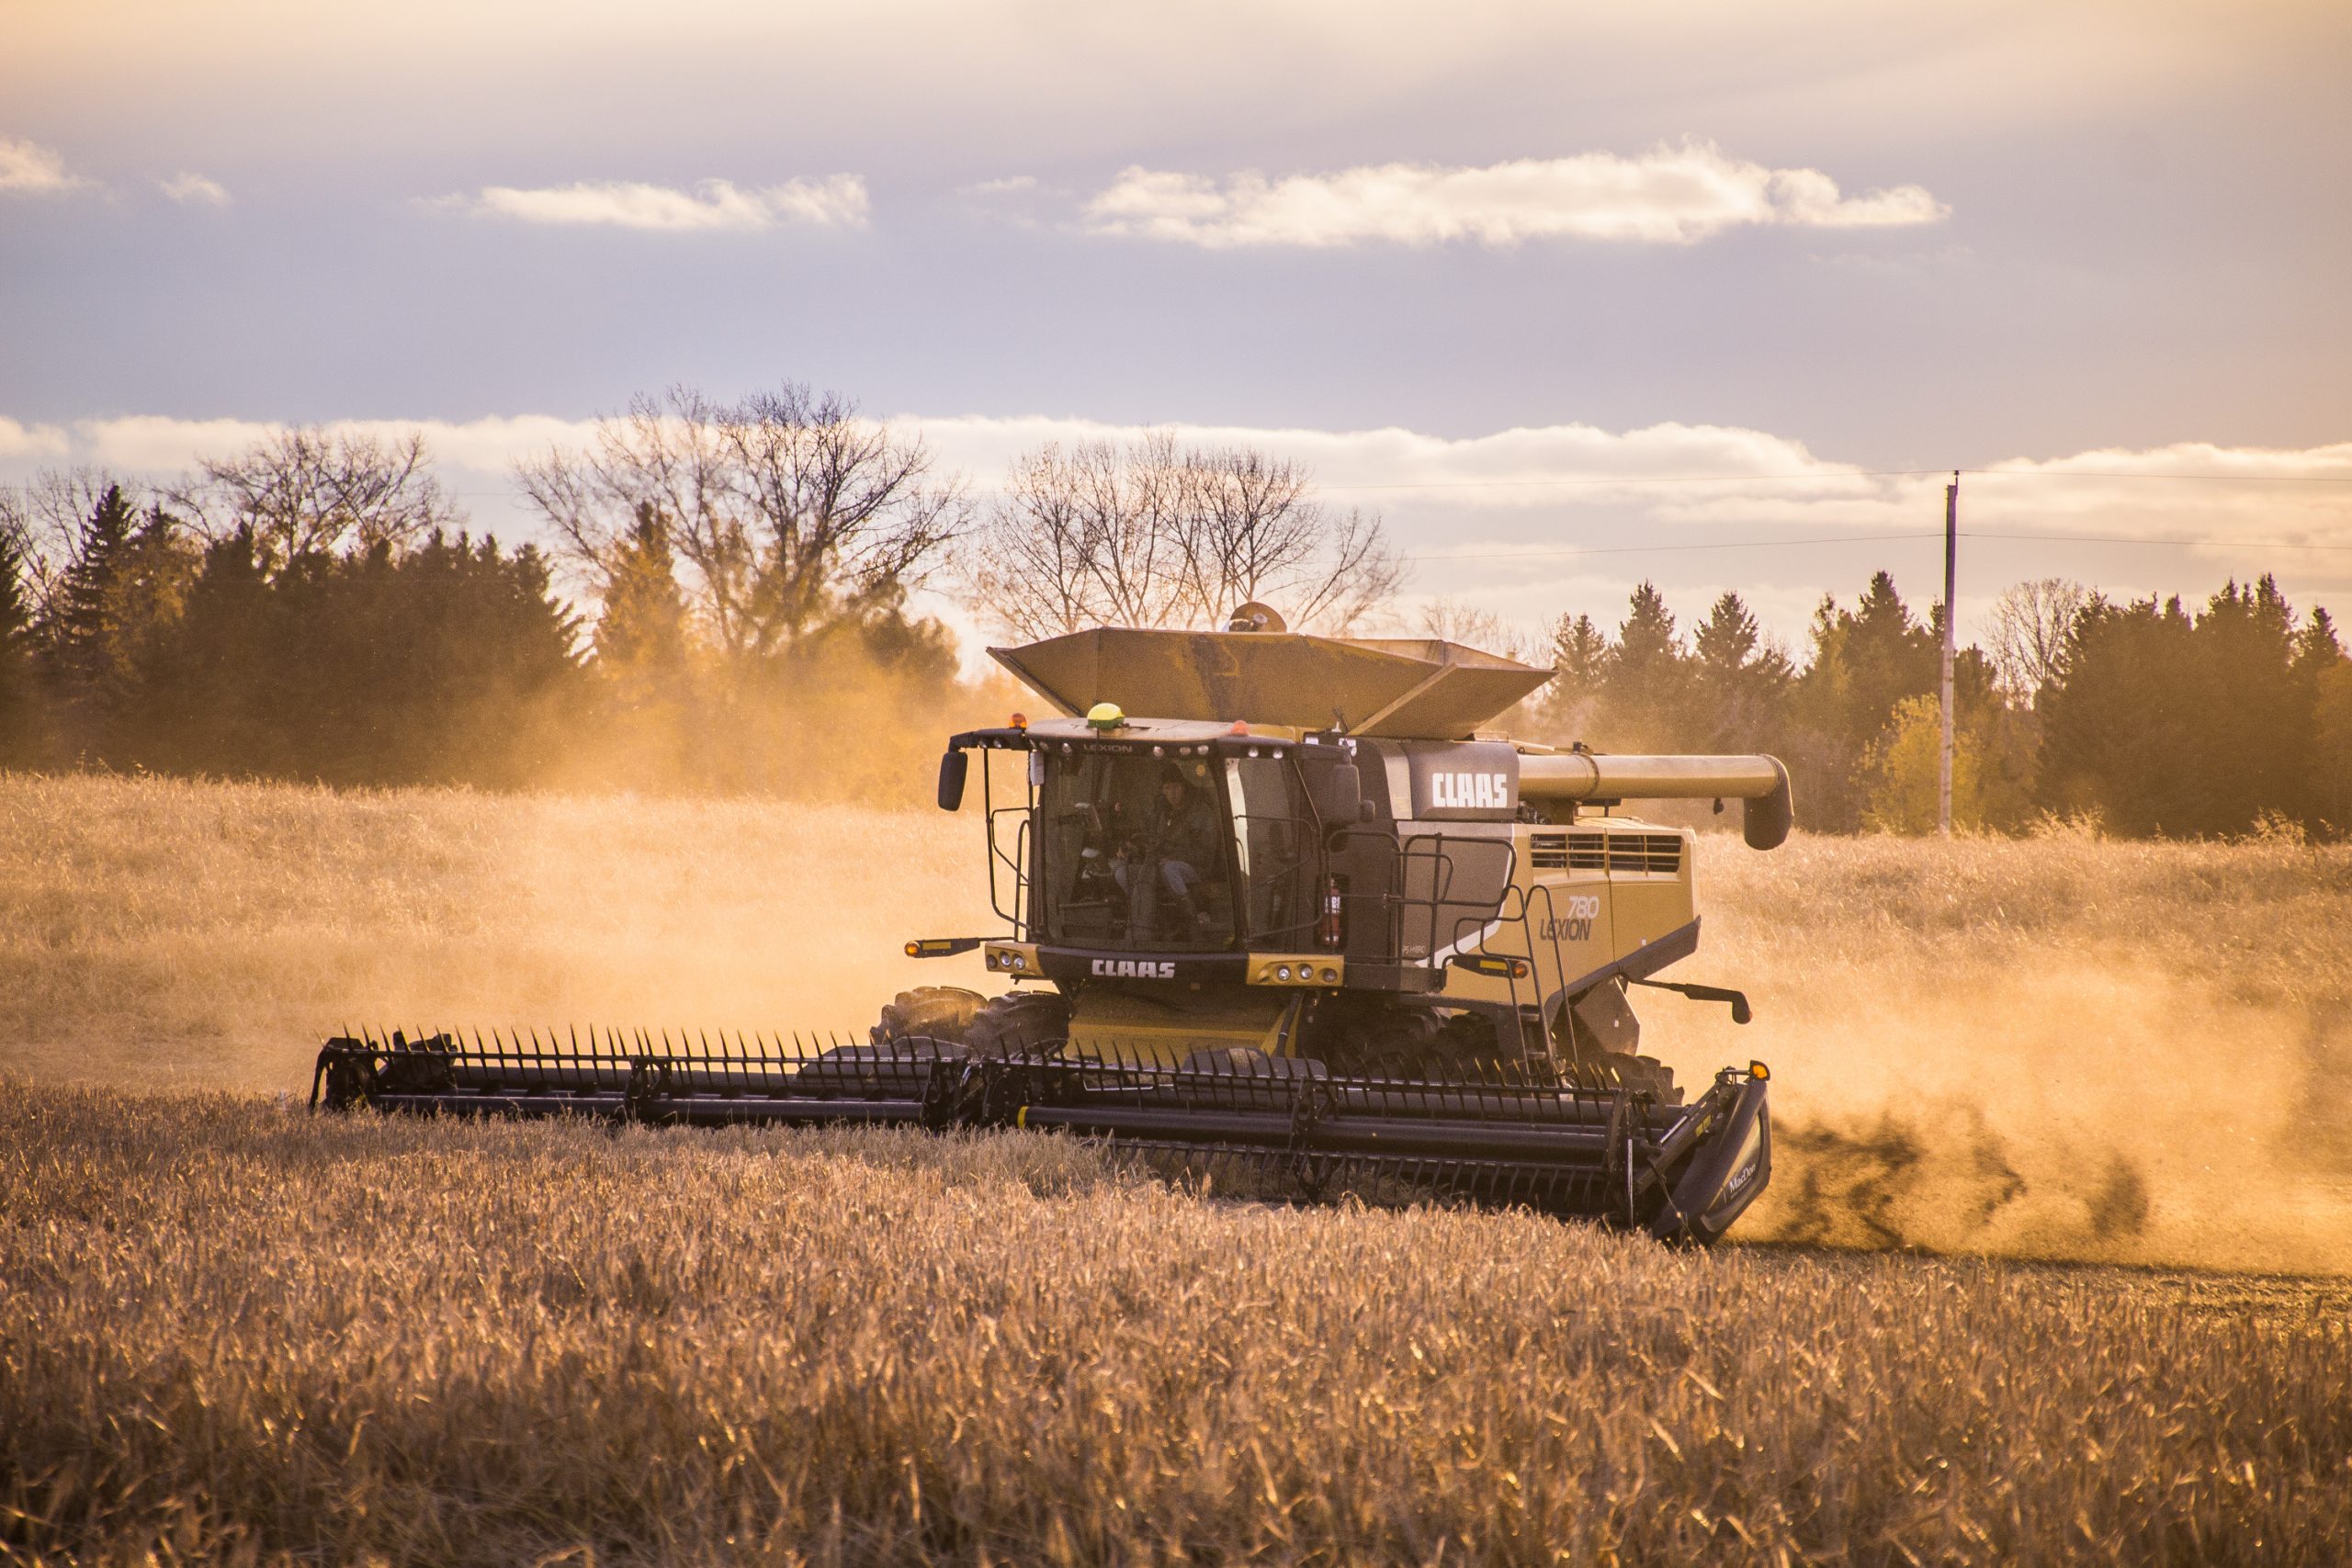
(20, 712)
(642, 642)
(2119, 733)
(1645, 684)
(1580, 651)
(2251, 726)
(220, 695)
(76, 632)
(1889, 655)
(1742, 684)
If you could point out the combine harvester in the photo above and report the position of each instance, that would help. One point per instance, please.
(1307, 919)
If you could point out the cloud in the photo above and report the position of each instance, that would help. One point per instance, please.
(1669, 195)
(28, 168)
(33, 441)
(189, 188)
(159, 444)
(835, 201)
(1519, 481)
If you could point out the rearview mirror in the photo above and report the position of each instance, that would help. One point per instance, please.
(952, 766)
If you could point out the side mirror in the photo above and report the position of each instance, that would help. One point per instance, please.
(1343, 794)
(952, 766)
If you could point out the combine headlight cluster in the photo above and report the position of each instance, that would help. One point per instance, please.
(1299, 972)
(1009, 962)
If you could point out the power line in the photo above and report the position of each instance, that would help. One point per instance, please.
(1864, 540)
(2135, 539)
(1648, 549)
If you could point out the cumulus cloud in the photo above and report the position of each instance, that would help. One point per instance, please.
(836, 201)
(194, 189)
(1543, 466)
(27, 168)
(34, 441)
(161, 443)
(1667, 196)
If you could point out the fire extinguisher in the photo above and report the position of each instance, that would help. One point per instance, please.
(1332, 930)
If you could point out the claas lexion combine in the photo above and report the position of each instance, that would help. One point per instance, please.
(1275, 905)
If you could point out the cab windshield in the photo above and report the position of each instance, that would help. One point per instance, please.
(1186, 855)
(1134, 851)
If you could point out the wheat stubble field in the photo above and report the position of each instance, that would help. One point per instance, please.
(2052, 1268)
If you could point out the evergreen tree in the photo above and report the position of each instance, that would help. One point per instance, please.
(1888, 655)
(1570, 705)
(1579, 652)
(218, 696)
(20, 708)
(2252, 724)
(76, 634)
(642, 642)
(2120, 731)
(1645, 684)
(1742, 684)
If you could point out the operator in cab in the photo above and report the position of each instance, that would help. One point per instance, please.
(1183, 836)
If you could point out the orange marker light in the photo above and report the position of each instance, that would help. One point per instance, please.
(1759, 1071)
(1241, 727)
(1021, 721)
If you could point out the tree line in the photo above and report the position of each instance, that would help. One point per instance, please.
(316, 607)
(2146, 717)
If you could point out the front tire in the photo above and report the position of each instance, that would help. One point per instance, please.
(936, 1012)
(1018, 1023)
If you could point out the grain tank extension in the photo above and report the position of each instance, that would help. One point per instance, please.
(1275, 909)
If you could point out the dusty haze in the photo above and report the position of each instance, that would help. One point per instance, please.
(2057, 1046)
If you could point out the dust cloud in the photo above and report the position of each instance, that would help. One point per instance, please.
(2056, 1047)
(2053, 1048)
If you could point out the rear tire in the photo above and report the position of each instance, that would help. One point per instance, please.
(940, 1012)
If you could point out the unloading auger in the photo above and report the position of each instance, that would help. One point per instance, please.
(1308, 931)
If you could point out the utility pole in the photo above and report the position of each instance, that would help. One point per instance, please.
(1951, 572)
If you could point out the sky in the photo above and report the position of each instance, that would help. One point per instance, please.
(1572, 295)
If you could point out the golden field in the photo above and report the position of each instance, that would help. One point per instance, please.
(234, 1333)
(230, 1331)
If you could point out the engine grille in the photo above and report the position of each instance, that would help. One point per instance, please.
(1656, 852)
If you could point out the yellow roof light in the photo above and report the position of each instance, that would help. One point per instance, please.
(1105, 716)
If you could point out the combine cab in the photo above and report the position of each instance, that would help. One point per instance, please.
(1303, 929)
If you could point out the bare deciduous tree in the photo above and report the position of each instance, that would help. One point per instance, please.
(1152, 535)
(310, 489)
(2031, 623)
(1456, 621)
(1254, 530)
(787, 507)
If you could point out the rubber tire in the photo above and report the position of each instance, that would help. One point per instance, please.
(1019, 1022)
(1402, 1043)
(941, 1012)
